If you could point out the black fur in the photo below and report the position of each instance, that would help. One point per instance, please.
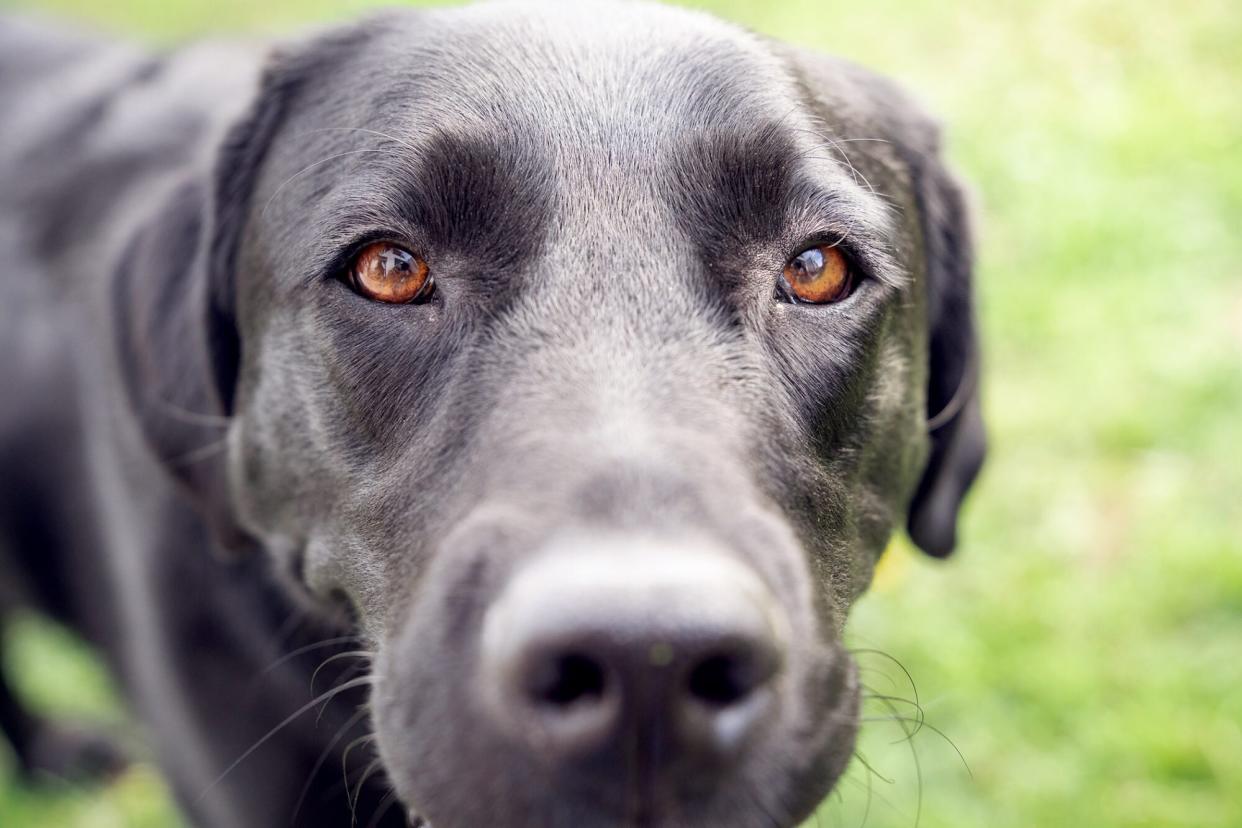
(214, 453)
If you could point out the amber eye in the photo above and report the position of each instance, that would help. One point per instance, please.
(819, 275)
(387, 273)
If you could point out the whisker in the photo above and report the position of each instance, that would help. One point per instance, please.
(814, 133)
(328, 696)
(376, 764)
(853, 170)
(835, 144)
(876, 671)
(870, 791)
(382, 808)
(347, 675)
(298, 616)
(201, 453)
(921, 716)
(871, 769)
(871, 651)
(914, 755)
(344, 783)
(318, 645)
(363, 654)
(364, 739)
(312, 166)
(193, 417)
(931, 727)
(396, 140)
(323, 758)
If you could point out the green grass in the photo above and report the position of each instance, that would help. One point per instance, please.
(1084, 649)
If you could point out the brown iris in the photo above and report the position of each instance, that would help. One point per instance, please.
(819, 275)
(388, 273)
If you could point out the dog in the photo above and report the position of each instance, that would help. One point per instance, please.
(505, 402)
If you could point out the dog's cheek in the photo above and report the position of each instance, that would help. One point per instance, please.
(891, 459)
(869, 448)
(277, 476)
(293, 458)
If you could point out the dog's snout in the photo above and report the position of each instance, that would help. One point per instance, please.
(601, 652)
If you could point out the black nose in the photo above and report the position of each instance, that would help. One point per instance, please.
(607, 652)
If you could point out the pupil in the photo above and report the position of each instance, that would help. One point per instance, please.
(394, 260)
(811, 261)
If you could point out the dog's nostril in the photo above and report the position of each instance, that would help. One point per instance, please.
(571, 679)
(676, 654)
(720, 680)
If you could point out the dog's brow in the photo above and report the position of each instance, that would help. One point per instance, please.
(480, 194)
(767, 183)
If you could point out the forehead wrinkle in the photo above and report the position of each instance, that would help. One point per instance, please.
(596, 93)
(599, 83)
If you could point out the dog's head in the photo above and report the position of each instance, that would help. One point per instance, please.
(588, 359)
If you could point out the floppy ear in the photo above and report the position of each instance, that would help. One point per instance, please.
(954, 419)
(177, 341)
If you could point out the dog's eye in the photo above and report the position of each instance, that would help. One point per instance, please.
(819, 275)
(387, 273)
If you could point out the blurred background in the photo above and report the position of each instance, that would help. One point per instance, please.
(1079, 661)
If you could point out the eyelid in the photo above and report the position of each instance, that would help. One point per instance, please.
(859, 267)
(871, 258)
(342, 258)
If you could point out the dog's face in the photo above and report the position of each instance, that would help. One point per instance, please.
(587, 357)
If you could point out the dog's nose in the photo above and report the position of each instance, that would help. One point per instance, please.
(610, 651)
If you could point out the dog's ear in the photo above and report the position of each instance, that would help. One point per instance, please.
(875, 107)
(173, 304)
(954, 418)
(177, 351)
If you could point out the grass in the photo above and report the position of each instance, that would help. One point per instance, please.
(1083, 652)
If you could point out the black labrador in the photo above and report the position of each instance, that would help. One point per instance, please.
(512, 398)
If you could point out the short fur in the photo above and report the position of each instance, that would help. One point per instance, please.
(213, 453)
